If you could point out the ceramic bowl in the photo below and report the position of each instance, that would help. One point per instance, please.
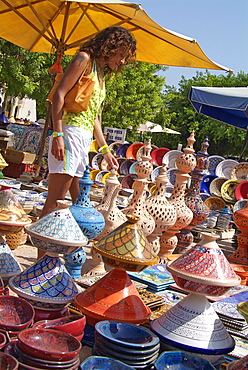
(124, 167)
(12, 183)
(205, 183)
(73, 325)
(128, 180)
(15, 313)
(41, 315)
(157, 155)
(8, 362)
(3, 340)
(132, 150)
(128, 334)
(121, 151)
(104, 363)
(181, 360)
(242, 272)
(48, 344)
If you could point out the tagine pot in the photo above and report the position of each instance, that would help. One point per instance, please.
(90, 221)
(113, 297)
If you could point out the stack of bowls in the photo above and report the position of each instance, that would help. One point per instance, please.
(73, 325)
(16, 314)
(46, 349)
(134, 345)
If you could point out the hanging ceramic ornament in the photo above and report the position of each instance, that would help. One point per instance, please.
(137, 206)
(193, 199)
(88, 218)
(185, 163)
(192, 324)
(162, 211)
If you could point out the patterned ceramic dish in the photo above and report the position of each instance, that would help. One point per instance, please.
(12, 183)
(215, 203)
(181, 360)
(169, 159)
(104, 363)
(224, 168)
(171, 174)
(155, 173)
(205, 183)
(121, 151)
(215, 186)
(157, 155)
(228, 190)
(240, 172)
(214, 160)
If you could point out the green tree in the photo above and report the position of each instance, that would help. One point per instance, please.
(224, 139)
(133, 97)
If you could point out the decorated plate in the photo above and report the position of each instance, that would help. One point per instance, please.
(132, 167)
(224, 168)
(96, 161)
(169, 159)
(205, 183)
(140, 152)
(240, 172)
(121, 151)
(214, 160)
(241, 191)
(157, 155)
(104, 178)
(228, 190)
(128, 180)
(124, 167)
(99, 175)
(114, 147)
(12, 183)
(215, 203)
(93, 174)
(132, 150)
(171, 174)
(240, 204)
(215, 186)
(155, 173)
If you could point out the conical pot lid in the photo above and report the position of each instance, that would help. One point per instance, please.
(205, 263)
(9, 266)
(58, 226)
(127, 243)
(45, 281)
(193, 325)
(113, 297)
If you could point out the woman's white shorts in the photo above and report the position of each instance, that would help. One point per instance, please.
(77, 142)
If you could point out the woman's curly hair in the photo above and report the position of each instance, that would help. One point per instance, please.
(108, 41)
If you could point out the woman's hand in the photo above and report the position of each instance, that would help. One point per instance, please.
(58, 149)
(111, 161)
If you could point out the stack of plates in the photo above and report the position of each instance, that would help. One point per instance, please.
(134, 345)
(156, 277)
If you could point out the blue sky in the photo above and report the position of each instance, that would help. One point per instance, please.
(219, 26)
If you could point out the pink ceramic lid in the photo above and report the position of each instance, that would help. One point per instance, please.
(205, 264)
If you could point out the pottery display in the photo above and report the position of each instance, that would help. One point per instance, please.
(16, 314)
(37, 343)
(160, 209)
(132, 150)
(181, 360)
(57, 231)
(240, 218)
(127, 247)
(101, 362)
(73, 324)
(47, 284)
(113, 297)
(9, 266)
(8, 362)
(193, 199)
(12, 216)
(192, 324)
(157, 156)
(132, 344)
(137, 206)
(90, 221)
(185, 163)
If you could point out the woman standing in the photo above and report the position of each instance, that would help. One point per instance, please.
(106, 53)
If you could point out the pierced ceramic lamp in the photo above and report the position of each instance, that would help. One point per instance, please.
(192, 324)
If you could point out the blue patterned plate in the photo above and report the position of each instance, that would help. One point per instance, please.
(177, 360)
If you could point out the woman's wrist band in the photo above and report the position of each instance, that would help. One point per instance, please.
(56, 134)
(104, 149)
